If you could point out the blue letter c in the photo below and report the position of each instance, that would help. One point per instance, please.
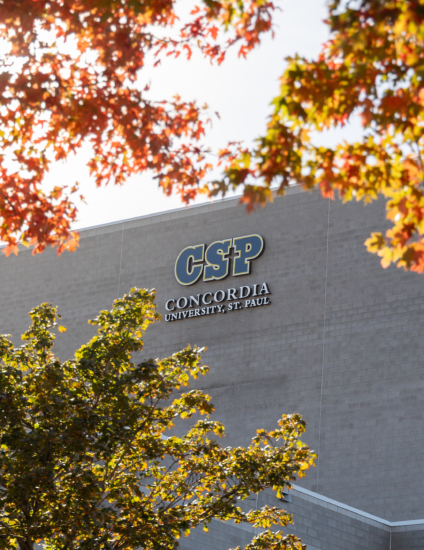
(186, 272)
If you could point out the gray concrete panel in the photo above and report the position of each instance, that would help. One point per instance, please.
(408, 538)
(373, 376)
(341, 342)
(320, 526)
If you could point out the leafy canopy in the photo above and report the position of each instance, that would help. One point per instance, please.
(69, 75)
(84, 460)
(372, 67)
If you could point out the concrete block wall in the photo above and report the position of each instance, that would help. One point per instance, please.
(407, 537)
(341, 342)
(328, 526)
(320, 525)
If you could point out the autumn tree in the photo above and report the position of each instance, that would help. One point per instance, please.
(69, 76)
(87, 458)
(372, 67)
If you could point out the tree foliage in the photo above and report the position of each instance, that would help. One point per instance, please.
(84, 460)
(69, 75)
(372, 67)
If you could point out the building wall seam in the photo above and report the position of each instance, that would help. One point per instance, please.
(323, 340)
(120, 260)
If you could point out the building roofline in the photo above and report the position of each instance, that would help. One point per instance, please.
(160, 213)
(288, 191)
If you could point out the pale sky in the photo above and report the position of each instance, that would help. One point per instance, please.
(240, 90)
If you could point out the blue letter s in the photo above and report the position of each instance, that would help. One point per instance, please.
(217, 267)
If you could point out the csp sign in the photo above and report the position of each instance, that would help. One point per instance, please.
(213, 262)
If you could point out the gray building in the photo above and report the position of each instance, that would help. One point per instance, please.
(332, 336)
